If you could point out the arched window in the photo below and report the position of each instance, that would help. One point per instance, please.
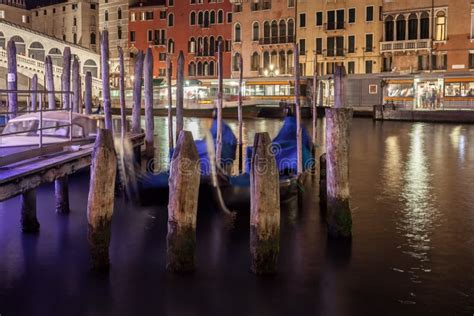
(289, 61)
(192, 69)
(119, 13)
(282, 29)
(192, 45)
(266, 32)
(266, 60)
(212, 46)
(106, 15)
(206, 46)
(235, 62)
(389, 28)
(274, 32)
(282, 63)
(220, 16)
(192, 18)
(255, 31)
(200, 18)
(205, 67)
(119, 32)
(170, 46)
(424, 26)
(401, 28)
(211, 68)
(93, 39)
(206, 19)
(255, 62)
(199, 68)
(440, 26)
(212, 17)
(291, 30)
(274, 60)
(171, 19)
(237, 32)
(412, 27)
(199, 46)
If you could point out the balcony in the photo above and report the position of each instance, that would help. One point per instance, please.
(334, 26)
(336, 52)
(276, 40)
(159, 42)
(402, 46)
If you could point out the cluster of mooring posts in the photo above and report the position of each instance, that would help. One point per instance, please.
(184, 175)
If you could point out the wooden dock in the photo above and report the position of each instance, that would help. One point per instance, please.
(21, 176)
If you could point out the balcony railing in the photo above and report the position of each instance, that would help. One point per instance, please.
(336, 52)
(277, 40)
(334, 26)
(276, 72)
(411, 45)
(159, 42)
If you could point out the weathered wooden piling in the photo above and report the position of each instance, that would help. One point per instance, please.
(104, 57)
(34, 94)
(29, 222)
(137, 93)
(12, 79)
(220, 96)
(315, 102)
(88, 93)
(123, 122)
(299, 130)
(322, 183)
(239, 109)
(76, 86)
(264, 207)
(49, 76)
(169, 71)
(184, 182)
(179, 94)
(100, 204)
(61, 194)
(148, 92)
(66, 78)
(338, 121)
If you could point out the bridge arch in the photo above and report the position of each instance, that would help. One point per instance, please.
(56, 56)
(20, 44)
(90, 66)
(36, 51)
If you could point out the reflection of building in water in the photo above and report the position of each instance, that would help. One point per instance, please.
(392, 166)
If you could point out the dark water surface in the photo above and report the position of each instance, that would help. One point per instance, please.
(412, 251)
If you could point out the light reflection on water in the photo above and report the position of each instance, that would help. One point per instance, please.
(419, 214)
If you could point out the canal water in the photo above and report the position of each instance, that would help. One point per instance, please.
(412, 251)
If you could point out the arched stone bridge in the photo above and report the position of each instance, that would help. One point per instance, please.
(32, 47)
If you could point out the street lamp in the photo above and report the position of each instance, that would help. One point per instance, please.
(271, 71)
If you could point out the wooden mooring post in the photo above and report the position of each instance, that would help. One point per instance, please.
(100, 205)
(322, 183)
(104, 57)
(315, 103)
(184, 182)
(220, 96)
(338, 121)
(264, 207)
(49, 76)
(169, 72)
(76, 86)
(179, 94)
(12, 79)
(34, 94)
(239, 109)
(148, 92)
(88, 93)
(66, 78)
(29, 222)
(299, 129)
(137, 93)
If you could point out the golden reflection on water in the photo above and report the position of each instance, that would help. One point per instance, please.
(418, 218)
(392, 166)
(458, 141)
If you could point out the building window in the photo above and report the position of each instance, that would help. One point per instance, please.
(255, 62)
(352, 15)
(150, 36)
(302, 19)
(170, 3)
(119, 32)
(369, 14)
(192, 18)
(389, 28)
(319, 18)
(119, 14)
(171, 19)
(93, 6)
(412, 27)
(192, 69)
(170, 46)
(45, 12)
(132, 36)
(291, 3)
(133, 16)
(162, 15)
(471, 60)
(319, 45)
(440, 26)
(237, 32)
(106, 15)
(229, 17)
(368, 66)
(369, 42)
(351, 44)
(212, 17)
(220, 16)
(439, 62)
(54, 10)
(235, 62)
(302, 46)
(74, 38)
(255, 31)
(351, 67)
